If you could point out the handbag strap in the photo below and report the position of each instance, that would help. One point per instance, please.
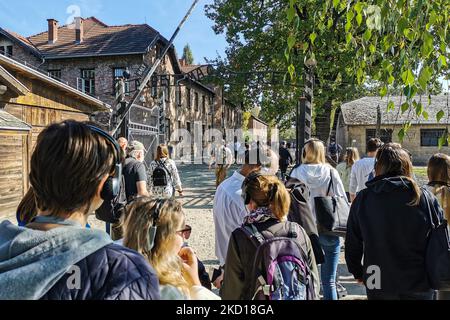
(331, 182)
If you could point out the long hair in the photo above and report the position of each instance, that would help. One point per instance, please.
(27, 209)
(268, 191)
(138, 219)
(314, 152)
(393, 160)
(439, 176)
(351, 156)
(162, 152)
(67, 166)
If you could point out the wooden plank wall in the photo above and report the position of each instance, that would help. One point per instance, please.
(13, 169)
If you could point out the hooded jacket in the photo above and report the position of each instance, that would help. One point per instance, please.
(70, 263)
(317, 177)
(390, 234)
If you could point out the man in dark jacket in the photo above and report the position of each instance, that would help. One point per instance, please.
(391, 236)
(285, 159)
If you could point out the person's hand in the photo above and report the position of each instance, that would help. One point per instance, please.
(190, 266)
(218, 282)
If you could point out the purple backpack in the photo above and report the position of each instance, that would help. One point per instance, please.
(280, 267)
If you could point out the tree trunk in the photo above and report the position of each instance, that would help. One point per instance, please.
(323, 121)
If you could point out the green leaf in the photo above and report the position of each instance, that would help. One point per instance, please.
(367, 35)
(358, 7)
(401, 135)
(290, 14)
(424, 77)
(425, 115)
(419, 109)
(405, 107)
(329, 23)
(313, 37)
(348, 26)
(350, 15)
(360, 76)
(442, 60)
(409, 33)
(291, 70)
(402, 25)
(359, 19)
(336, 3)
(348, 38)
(391, 106)
(427, 46)
(391, 79)
(440, 115)
(442, 140)
(409, 91)
(291, 41)
(287, 54)
(408, 77)
(372, 48)
(383, 91)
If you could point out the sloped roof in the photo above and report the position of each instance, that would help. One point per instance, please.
(364, 111)
(98, 39)
(9, 122)
(11, 82)
(22, 41)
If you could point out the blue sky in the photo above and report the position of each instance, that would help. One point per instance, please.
(163, 15)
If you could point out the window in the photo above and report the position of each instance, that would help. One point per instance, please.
(188, 98)
(168, 129)
(204, 105)
(86, 83)
(166, 87)
(430, 137)
(196, 101)
(55, 74)
(6, 50)
(188, 127)
(178, 96)
(118, 73)
(385, 135)
(154, 86)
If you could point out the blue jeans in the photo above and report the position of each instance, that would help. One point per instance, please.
(328, 270)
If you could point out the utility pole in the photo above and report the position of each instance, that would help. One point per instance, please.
(151, 70)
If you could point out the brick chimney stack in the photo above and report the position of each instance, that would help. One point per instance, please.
(52, 30)
(79, 30)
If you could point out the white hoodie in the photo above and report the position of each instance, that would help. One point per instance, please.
(317, 178)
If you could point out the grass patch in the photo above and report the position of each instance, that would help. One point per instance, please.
(420, 171)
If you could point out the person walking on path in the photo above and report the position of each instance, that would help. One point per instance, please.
(362, 170)
(156, 229)
(334, 150)
(163, 177)
(317, 174)
(388, 227)
(39, 261)
(222, 160)
(229, 210)
(134, 171)
(439, 185)
(345, 168)
(268, 203)
(285, 160)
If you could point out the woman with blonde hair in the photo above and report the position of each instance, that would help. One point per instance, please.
(156, 229)
(163, 177)
(317, 174)
(268, 202)
(345, 168)
(439, 185)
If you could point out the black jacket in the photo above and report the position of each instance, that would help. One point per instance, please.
(389, 234)
(111, 273)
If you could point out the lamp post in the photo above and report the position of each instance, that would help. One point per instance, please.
(304, 109)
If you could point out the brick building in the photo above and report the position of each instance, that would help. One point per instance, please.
(357, 121)
(90, 55)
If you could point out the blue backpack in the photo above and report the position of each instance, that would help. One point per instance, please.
(280, 268)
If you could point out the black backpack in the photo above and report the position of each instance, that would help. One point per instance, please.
(300, 212)
(161, 175)
(111, 211)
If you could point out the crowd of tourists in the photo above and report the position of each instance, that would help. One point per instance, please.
(276, 238)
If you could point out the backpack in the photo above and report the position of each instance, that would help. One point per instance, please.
(161, 175)
(333, 149)
(280, 268)
(300, 213)
(111, 211)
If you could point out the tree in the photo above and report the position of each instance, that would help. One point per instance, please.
(187, 55)
(360, 47)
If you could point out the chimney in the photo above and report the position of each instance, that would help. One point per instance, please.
(79, 30)
(52, 31)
